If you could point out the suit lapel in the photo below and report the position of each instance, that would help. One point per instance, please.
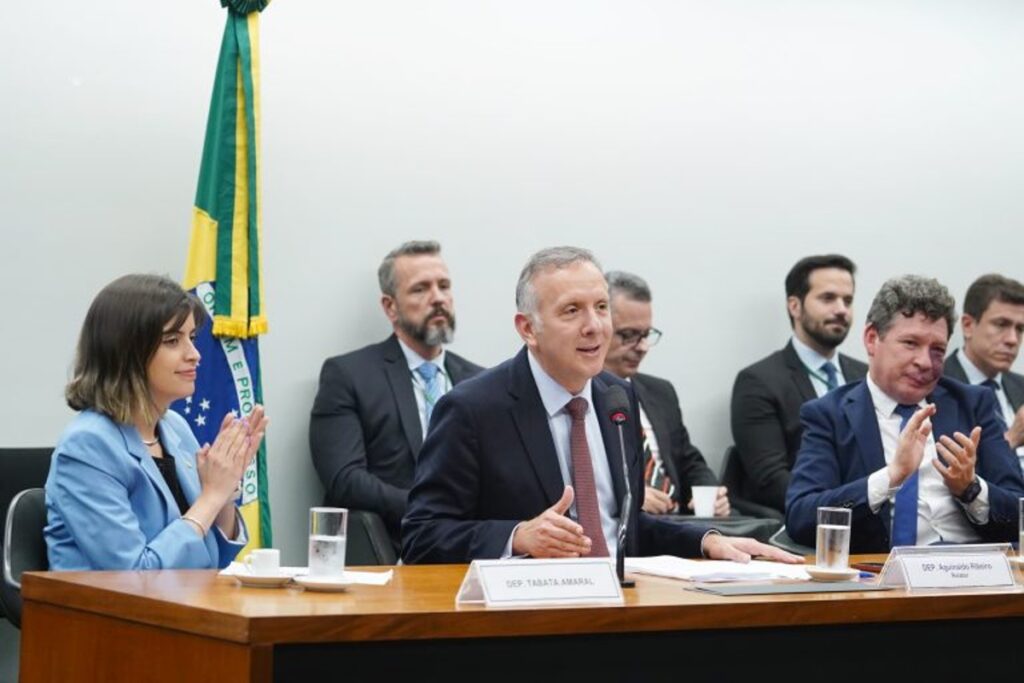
(138, 451)
(1013, 386)
(397, 372)
(860, 411)
(660, 425)
(954, 369)
(851, 371)
(454, 367)
(798, 373)
(531, 422)
(610, 435)
(947, 413)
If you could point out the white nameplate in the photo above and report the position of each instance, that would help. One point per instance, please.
(513, 583)
(964, 566)
(988, 570)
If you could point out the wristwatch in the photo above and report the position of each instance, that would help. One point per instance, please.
(970, 493)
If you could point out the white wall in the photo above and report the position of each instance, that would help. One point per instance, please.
(704, 145)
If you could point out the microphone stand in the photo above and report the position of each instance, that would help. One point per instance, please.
(626, 510)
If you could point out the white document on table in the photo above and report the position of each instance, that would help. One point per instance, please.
(711, 571)
(367, 578)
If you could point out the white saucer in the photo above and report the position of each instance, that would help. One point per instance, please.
(822, 574)
(1016, 559)
(263, 580)
(326, 584)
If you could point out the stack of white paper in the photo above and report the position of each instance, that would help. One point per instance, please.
(368, 578)
(708, 571)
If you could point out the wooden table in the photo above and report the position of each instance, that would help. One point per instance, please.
(194, 626)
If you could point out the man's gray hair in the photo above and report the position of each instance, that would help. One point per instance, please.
(546, 259)
(386, 271)
(631, 286)
(909, 295)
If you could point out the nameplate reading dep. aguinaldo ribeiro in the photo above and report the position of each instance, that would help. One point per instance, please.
(522, 583)
(949, 567)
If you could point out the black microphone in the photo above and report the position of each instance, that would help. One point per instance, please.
(617, 404)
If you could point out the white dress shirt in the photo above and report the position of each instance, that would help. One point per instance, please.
(976, 376)
(554, 397)
(415, 360)
(940, 517)
(813, 361)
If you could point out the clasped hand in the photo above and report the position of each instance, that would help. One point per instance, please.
(222, 464)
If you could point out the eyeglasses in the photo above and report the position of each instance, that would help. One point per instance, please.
(631, 337)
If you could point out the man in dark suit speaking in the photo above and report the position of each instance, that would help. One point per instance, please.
(513, 450)
(919, 459)
(374, 404)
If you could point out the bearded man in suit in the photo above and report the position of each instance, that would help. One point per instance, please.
(374, 405)
(767, 395)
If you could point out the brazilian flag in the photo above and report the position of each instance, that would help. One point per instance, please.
(223, 267)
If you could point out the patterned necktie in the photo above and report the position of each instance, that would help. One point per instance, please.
(904, 519)
(587, 509)
(830, 372)
(431, 375)
(655, 475)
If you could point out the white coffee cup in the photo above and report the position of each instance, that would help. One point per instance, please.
(704, 500)
(263, 561)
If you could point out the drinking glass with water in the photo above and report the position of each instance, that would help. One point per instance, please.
(327, 534)
(1020, 540)
(832, 550)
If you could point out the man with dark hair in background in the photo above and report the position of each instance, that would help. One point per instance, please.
(374, 405)
(918, 458)
(993, 325)
(672, 464)
(767, 395)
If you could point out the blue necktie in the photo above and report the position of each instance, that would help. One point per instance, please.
(431, 386)
(904, 519)
(830, 371)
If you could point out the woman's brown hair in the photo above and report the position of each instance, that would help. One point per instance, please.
(121, 332)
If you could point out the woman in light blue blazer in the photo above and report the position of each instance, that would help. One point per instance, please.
(129, 487)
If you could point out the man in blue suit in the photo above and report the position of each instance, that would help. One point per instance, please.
(919, 459)
(522, 460)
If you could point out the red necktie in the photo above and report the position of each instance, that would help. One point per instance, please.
(587, 510)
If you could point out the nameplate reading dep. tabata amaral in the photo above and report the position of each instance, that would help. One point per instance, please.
(530, 583)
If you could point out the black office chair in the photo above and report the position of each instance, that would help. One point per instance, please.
(24, 546)
(732, 477)
(369, 542)
(20, 469)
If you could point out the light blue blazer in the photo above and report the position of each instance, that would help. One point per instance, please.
(108, 506)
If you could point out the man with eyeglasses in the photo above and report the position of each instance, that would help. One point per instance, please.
(767, 396)
(672, 464)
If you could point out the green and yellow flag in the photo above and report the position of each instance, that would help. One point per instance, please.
(223, 267)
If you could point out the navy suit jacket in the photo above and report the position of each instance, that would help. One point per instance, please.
(1013, 384)
(842, 446)
(766, 401)
(489, 463)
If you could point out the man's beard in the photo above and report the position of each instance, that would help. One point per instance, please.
(427, 334)
(822, 335)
